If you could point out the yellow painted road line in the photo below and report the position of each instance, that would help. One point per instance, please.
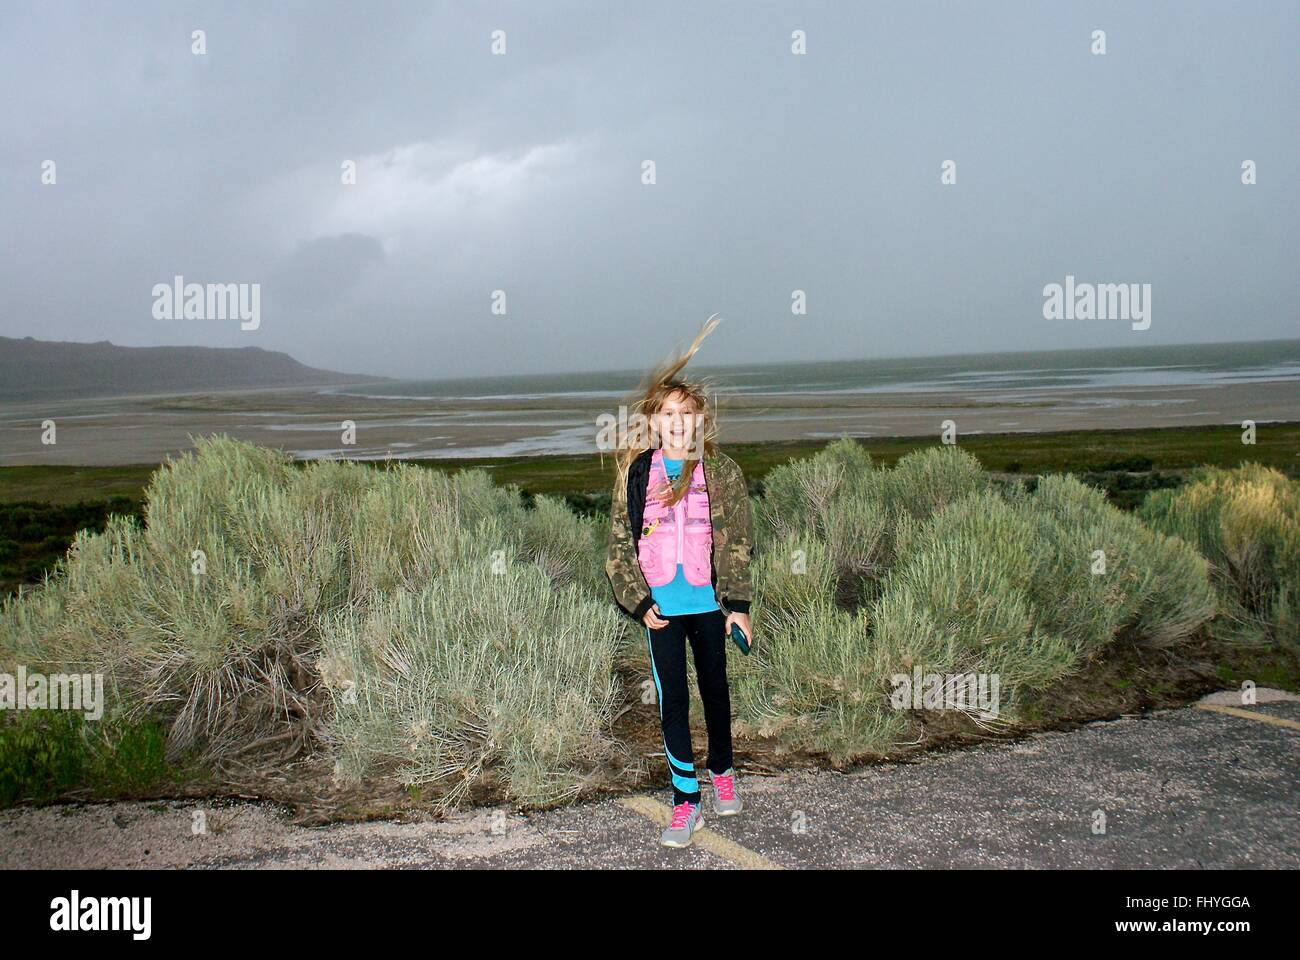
(742, 857)
(1250, 715)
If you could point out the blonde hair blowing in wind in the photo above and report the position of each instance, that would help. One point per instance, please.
(661, 383)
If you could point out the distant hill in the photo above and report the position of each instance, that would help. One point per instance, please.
(43, 369)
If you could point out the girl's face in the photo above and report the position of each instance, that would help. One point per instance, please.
(676, 421)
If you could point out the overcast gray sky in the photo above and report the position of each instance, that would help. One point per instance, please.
(522, 172)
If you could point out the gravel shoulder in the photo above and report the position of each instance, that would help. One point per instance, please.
(1184, 788)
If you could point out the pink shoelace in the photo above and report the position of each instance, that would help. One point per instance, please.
(726, 787)
(681, 815)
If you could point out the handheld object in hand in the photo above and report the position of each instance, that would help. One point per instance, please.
(740, 639)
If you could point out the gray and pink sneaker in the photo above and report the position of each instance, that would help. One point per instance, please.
(686, 820)
(726, 801)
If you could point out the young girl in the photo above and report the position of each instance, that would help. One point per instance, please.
(679, 548)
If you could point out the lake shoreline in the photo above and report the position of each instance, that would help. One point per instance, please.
(309, 423)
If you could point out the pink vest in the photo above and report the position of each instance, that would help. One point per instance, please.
(681, 534)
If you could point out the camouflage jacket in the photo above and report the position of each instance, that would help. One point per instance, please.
(733, 536)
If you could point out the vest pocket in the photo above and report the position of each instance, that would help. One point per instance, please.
(656, 554)
(697, 505)
(697, 555)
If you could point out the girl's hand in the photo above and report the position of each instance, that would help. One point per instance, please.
(661, 492)
(743, 620)
(653, 620)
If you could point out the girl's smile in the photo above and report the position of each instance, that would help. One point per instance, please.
(676, 422)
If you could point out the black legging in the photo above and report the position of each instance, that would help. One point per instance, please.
(668, 664)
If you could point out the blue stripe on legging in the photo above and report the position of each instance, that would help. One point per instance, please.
(684, 784)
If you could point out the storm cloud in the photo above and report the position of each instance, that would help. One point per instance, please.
(523, 172)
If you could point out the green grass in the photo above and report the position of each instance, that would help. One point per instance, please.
(1125, 464)
(1076, 451)
(1164, 448)
(1276, 667)
(65, 486)
(34, 535)
(45, 755)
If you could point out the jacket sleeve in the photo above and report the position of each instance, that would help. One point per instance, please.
(631, 592)
(737, 591)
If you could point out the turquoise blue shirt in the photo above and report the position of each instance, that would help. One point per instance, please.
(680, 596)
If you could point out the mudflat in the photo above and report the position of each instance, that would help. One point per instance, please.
(310, 422)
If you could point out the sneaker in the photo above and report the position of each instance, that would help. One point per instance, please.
(686, 820)
(726, 802)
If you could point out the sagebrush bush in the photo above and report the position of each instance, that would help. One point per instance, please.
(814, 683)
(815, 680)
(961, 600)
(489, 673)
(213, 616)
(1246, 522)
(925, 481)
(856, 510)
(569, 549)
(1103, 571)
(432, 630)
(928, 565)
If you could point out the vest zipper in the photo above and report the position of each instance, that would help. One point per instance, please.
(680, 510)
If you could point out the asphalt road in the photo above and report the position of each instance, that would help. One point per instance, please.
(1185, 788)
